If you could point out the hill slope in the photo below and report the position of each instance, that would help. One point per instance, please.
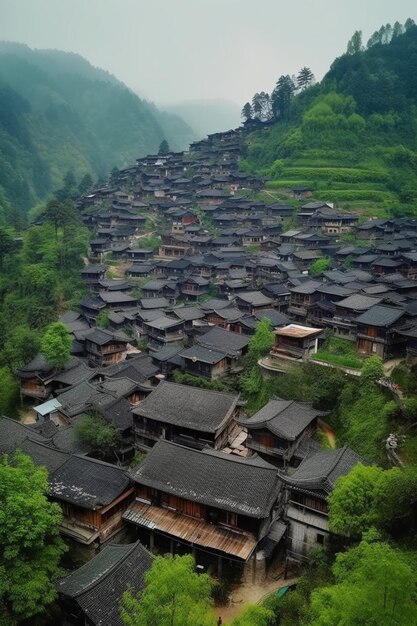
(353, 137)
(57, 113)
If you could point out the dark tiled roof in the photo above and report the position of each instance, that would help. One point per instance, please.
(101, 336)
(358, 302)
(88, 483)
(284, 418)
(224, 341)
(380, 315)
(13, 433)
(255, 298)
(202, 354)
(219, 480)
(320, 471)
(44, 455)
(98, 586)
(186, 406)
(275, 317)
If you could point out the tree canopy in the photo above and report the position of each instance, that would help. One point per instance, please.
(319, 266)
(174, 595)
(30, 545)
(56, 344)
(374, 585)
(163, 147)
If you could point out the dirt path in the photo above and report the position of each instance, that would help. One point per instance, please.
(250, 594)
(390, 365)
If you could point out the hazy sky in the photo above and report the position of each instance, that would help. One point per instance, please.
(174, 50)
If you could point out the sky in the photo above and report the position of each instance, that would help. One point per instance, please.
(177, 50)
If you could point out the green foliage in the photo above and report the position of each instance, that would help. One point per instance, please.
(56, 345)
(198, 381)
(339, 352)
(29, 552)
(9, 393)
(352, 137)
(319, 266)
(103, 319)
(254, 615)
(174, 595)
(163, 147)
(152, 242)
(63, 119)
(372, 371)
(98, 435)
(353, 506)
(375, 585)
(262, 341)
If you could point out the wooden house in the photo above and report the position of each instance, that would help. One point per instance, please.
(91, 595)
(296, 342)
(212, 503)
(209, 417)
(104, 347)
(93, 496)
(376, 332)
(278, 429)
(307, 490)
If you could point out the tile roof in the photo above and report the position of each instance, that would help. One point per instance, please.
(87, 483)
(380, 315)
(13, 433)
(224, 341)
(358, 302)
(202, 354)
(187, 406)
(320, 471)
(98, 586)
(284, 418)
(250, 489)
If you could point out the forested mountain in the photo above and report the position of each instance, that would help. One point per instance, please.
(59, 113)
(353, 136)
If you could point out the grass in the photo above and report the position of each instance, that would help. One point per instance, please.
(339, 352)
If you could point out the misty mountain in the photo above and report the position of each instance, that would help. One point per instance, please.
(207, 116)
(59, 113)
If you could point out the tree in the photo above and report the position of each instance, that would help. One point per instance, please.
(281, 98)
(375, 585)
(319, 266)
(86, 183)
(247, 111)
(7, 243)
(163, 148)
(56, 345)
(372, 371)
(56, 214)
(262, 341)
(353, 503)
(409, 23)
(174, 595)
(98, 435)
(355, 43)
(305, 78)
(30, 545)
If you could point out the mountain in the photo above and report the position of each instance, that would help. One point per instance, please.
(352, 137)
(207, 116)
(59, 113)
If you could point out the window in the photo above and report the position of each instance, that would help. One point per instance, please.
(374, 347)
(320, 539)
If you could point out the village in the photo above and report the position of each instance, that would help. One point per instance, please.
(189, 255)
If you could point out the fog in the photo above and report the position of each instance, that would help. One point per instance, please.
(176, 50)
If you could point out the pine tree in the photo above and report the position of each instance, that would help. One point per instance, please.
(305, 77)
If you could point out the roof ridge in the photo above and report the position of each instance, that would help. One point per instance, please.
(107, 572)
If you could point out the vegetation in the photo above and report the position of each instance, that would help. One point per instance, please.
(339, 352)
(29, 552)
(352, 137)
(97, 434)
(319, 266)
(199, 381)
(174, 595)
(56, 345)
(59, 113)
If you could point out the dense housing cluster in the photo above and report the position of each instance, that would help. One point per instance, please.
(183, 265)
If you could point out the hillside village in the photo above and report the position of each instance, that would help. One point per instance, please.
(188, 255)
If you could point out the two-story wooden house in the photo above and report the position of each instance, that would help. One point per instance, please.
(93, 496)
(307, 489)
(376, 331)
(279, 428)
(188, 415)
(211, 503)
(104, 347)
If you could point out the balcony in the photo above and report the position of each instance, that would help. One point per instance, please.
(253, 444)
